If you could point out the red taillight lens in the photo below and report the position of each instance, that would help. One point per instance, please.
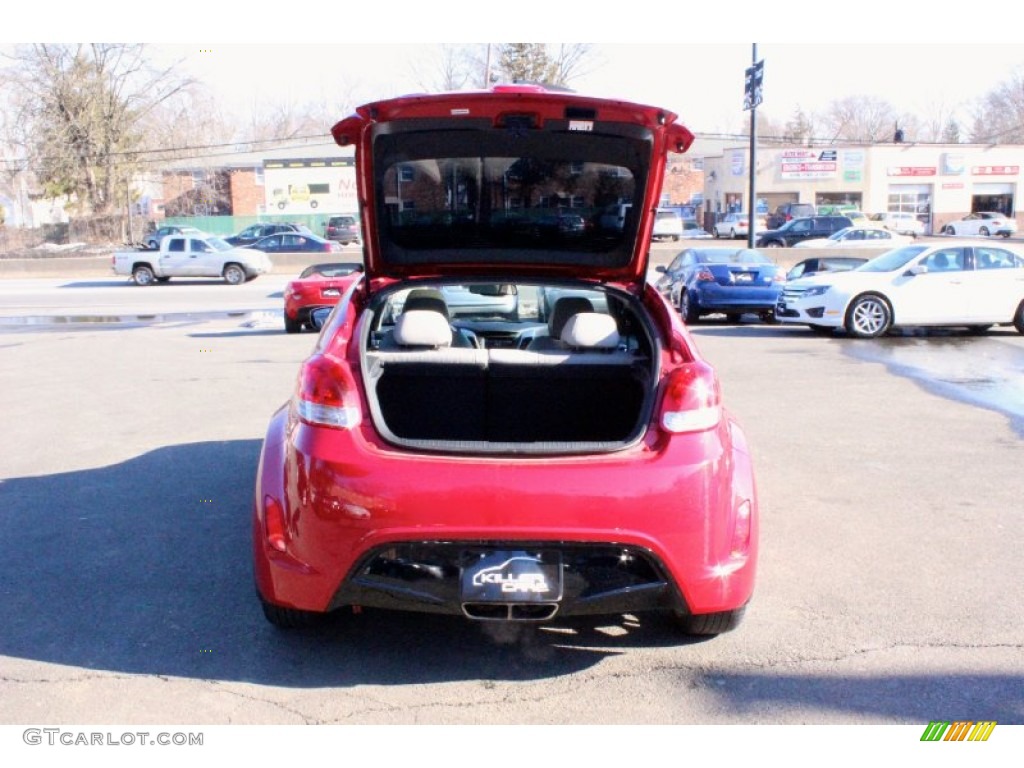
(274, 525)
(741, 530)
(693, 399)
(326, 394)
(705, 276)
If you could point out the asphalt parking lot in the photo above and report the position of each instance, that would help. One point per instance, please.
(889, 585)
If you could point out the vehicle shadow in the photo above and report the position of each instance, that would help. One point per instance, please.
(906, 698)
(144, 567)
(726, 329)
(109, 283)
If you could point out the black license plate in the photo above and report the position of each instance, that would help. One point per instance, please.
(512, 576)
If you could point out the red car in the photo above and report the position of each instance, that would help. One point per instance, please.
(320, 285)
(500, 422)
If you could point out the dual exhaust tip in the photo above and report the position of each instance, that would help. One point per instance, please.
(510, 611)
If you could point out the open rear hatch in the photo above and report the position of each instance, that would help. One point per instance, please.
(518, 181)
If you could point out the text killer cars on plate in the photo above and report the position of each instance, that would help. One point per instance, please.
(499, 421)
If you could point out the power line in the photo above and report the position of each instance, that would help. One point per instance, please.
(144, 155)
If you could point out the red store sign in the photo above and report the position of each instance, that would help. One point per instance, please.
(906, 170)
(995, 170)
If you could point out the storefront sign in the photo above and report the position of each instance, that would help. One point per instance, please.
(952, 164)
(952, 185)
(738, 162)
(910, 170)
(818, 170)
(995, 170)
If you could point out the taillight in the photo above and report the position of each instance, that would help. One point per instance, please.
(705, 276)
(273, 524)
(693, 399)
(326, 394)
(741, 530)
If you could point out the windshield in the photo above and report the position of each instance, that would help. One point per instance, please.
(219, 245)
(893, 260)
(840, 234)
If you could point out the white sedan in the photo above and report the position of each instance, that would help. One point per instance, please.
(983, 223)
(971, 284)
(737, 225)
(857, 237)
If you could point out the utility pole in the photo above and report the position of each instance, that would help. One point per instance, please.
(751, 98)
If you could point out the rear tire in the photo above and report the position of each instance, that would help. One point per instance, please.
(234, 274)
(983, 232)
(687, 309)
(709, 623)
(769, 317)
(290, 618)
(143, 275)
(292, 326)
(1018, 319)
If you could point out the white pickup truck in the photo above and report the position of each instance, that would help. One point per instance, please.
(191, 256)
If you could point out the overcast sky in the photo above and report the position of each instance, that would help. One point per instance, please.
(685, 57)
(701, 82)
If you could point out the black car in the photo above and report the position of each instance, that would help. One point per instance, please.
(295, 242)
(788, 212)
(344, 229)
(256, 232)
(797, 230)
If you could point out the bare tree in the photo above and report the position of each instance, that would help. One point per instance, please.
(452, 68)
(569, 61)
(78, 110)
(999, 115)
(859, 119)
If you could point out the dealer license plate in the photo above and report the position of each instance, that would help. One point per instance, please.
(512, 576)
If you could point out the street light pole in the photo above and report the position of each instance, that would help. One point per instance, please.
(752, 203)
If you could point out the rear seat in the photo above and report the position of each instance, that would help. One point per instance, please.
(424, 385)
(586, 386)
(589, 387)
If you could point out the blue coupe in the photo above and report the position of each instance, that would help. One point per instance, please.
(730, 281)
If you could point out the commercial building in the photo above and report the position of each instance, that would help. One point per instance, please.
(938, 183)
